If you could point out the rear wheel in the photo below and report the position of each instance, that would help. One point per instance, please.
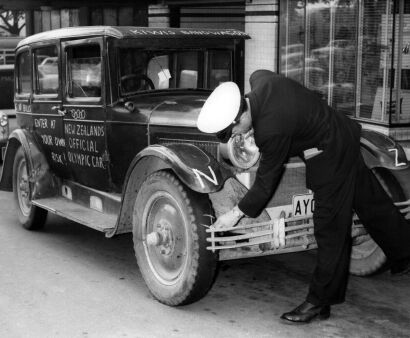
(170, 240)
(30, 216)
(366, 256)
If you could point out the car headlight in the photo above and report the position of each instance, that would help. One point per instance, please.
(241, 150)
(4, 120)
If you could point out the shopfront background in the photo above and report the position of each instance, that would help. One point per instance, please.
(355, 54)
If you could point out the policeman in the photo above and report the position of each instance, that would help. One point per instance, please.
(288, 120)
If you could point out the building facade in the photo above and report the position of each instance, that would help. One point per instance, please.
(354, 53)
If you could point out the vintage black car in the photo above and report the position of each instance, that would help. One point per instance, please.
(108, 138)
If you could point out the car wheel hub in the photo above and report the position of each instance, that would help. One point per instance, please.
(23, 191)
(24, 187)
(165, 238)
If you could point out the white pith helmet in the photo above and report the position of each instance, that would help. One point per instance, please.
(220, 109)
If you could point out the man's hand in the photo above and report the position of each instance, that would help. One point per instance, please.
(228, 219)
(405, 211)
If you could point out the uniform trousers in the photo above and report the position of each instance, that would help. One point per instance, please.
(358, 190)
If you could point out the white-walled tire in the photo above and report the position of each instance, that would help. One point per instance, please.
(174, 261)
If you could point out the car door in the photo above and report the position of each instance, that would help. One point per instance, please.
(46, 104)
(85, 113)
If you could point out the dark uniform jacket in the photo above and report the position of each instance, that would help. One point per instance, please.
(287, 119)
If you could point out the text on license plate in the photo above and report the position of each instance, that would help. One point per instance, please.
(303, 205)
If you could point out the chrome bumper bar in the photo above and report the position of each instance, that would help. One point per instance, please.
(280, 235)
(404, 208)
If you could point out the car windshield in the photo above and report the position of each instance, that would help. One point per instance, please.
(142, 70)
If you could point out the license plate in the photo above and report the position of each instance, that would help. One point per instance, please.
(303, 205)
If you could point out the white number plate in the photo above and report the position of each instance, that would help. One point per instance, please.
(303, 205)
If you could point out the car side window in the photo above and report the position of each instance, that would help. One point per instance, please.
(46, 70)
(84, 71)
(23, 73)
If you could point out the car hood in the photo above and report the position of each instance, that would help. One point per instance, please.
(172, 110)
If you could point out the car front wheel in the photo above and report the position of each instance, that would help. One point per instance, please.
(169, 223)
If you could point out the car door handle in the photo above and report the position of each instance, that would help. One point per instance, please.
(60, 112)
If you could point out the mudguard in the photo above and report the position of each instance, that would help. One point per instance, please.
(37, 165)
(193, 166)
(379, 150)
(388, 158)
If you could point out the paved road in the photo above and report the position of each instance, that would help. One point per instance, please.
(69, 281)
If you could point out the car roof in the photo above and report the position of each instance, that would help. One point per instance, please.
(122, 32)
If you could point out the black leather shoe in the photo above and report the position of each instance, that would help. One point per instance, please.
(400, 267)
(305, 312)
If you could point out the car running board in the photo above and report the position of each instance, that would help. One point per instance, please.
(64, 207)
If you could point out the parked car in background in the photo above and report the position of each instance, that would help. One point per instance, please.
(108, 138)
(7, 47)
(7, 113)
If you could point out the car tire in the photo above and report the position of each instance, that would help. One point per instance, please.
(177, 268)
(30, 216)
(367, 257)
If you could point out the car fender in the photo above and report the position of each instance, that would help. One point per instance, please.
(379, 150)
(385, 156)
(193, 166)
(37, 165)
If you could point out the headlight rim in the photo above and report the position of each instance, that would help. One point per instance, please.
(230, 150)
